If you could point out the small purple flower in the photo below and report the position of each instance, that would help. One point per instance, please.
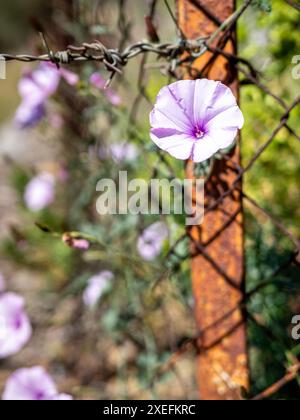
(123, 152)
(151, 241)
(99, 82)
(33, 384)
(120, 152)
(29, 114)
(81, 244)
(70, 77)
(15, 328)
(96, 286)
(40, 192)
(77, 243)
(194, 119)
(35, 88)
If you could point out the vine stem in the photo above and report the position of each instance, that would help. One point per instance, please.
(232, 19)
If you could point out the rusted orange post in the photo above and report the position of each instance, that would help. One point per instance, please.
(218, 270)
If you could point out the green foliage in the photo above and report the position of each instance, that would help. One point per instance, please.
(270, 41)
(264, 5)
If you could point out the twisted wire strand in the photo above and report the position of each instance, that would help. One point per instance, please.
(113, 59)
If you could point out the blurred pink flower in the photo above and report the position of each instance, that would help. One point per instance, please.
(70, 77)
(40, 192)
(2, 283)
(15, 328)
(32, 384)
(120, 152)
(35, 87)
(96, 286)
(194, 119)
(123, 151)
(150, 242)
(78, 243)
(81, 244)
(99, 82)
(29, 114)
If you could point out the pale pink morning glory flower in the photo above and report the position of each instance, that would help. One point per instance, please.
(96, 286)
(32, 384)
(2, 283)
(99, 82)
(35, 87)
(40, 192)
(15, 328)
(194, 119)
(150, 242)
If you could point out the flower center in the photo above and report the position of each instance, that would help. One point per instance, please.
(199, 133)
(17, 322)
(39, 395)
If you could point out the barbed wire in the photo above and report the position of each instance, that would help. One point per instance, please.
(114, 59)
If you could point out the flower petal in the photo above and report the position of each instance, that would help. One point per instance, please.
(47, 78)
(204, 149)
(223, 137)
(150, 242)
(31, 93)
(70, 77)
(97, 80)
(29, 114)
(204, 98)
(40, 192)
(29, 384)
(228, 119)
(173, 107)
(222, 99)
(96, 287)
(100, 83)
(179, 145)
(15, 328)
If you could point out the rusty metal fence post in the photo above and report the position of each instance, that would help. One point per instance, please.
(218, 267)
